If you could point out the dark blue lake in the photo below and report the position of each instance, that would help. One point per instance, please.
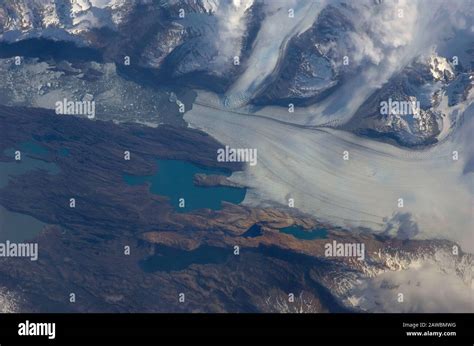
(170, 259)
(253, 232)
(174, 179)
(49, 49)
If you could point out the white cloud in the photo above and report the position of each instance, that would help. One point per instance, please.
(231, 27)
(386, 38)
(425, 286)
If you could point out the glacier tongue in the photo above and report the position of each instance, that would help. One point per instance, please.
(277, 28)
(307, 164)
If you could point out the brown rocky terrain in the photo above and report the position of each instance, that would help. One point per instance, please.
(81, 251)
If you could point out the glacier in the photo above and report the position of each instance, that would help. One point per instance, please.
(405, 192)
(307, 164)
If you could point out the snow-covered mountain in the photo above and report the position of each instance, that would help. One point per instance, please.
(274, 52)
(435, 84)
(409, 281)
(49, 18)
(175, 37)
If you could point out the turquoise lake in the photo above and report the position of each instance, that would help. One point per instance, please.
(18, 227)
(15, 226)
(174, 179)
(26, 164)
(300, 233)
